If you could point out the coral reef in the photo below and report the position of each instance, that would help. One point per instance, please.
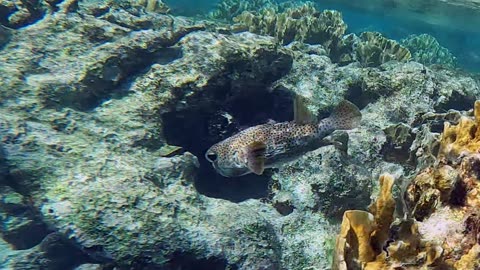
(54, 252)
(16, 14)
(229, 9)
(373, 49)
(22, 226)
(105, 119)
(303, 23)
(326, 180)
(442, 202)
(306, 24)
(425, 49)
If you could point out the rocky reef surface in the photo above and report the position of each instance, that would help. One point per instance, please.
(105, 119)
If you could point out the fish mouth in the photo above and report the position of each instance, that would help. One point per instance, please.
(230, 172)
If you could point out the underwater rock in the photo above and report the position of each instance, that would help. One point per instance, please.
(5, 35)
(54, 252)
(215, 73)
(425, 49)
(16, 14)
(22, 226)
(303, 23)
(103, 67)
(71, 134)
(3, 165)
(89, 266)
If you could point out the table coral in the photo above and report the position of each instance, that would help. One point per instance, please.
(303, 23)
(375, 49)
(425, 49)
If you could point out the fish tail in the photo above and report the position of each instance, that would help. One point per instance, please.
(345, 116)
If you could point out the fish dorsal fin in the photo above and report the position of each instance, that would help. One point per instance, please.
(302, 115)
(256, 157)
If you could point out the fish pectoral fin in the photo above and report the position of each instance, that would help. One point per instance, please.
(256, 157)
(302, 115)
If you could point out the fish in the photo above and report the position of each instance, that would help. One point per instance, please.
(273, 144)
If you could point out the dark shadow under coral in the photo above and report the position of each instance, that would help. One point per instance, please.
(197, 128)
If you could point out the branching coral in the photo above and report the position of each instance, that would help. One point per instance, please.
(302, 23)
(425, 49)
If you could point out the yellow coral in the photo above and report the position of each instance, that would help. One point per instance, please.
(461, 138)
(444, 231)
(354, 238)
(471, 260)
(363, 233)
(302, 23)
(383, 210)
(153, 5)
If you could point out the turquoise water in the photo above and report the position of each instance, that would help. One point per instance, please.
(239, 134)
(455, 26)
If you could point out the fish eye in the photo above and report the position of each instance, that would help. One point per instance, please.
(210, 156)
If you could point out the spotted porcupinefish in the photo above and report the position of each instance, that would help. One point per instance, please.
(272, 144)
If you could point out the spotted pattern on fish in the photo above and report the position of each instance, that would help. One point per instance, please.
(282, 142)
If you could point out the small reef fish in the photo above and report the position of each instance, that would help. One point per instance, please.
(273, 144)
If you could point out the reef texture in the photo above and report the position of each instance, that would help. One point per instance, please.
(306, 24)
(229, 9)
(425, 49)
(105, 119)
(373, 49)
(302, 23)
(442, 225)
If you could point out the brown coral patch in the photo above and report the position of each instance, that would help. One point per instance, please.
(461, 138)
(363, 234)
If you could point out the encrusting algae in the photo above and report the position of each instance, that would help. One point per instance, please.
(442, 226)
